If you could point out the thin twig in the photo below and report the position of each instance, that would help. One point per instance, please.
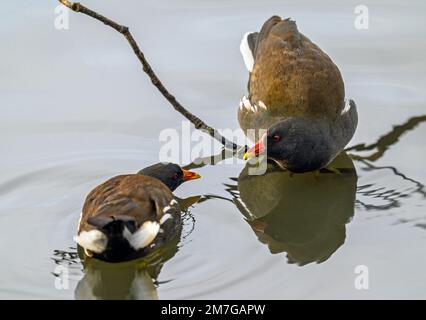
(197, 122)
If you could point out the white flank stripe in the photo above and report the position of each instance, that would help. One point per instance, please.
(347, 107)
(93, 240)
(246, 103)
(262, 105)
(164, 218)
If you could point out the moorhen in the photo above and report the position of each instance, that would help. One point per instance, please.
(304, 217)
(131, 280)
(129, 216)
(296, 94)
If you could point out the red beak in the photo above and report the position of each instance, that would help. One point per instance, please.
(257, 149)
(190, 175)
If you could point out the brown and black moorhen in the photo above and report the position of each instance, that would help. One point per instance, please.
(131, 215)
(297, 94)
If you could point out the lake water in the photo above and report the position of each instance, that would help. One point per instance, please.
(76, 109)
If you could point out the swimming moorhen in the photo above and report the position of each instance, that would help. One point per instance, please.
(131, 215)
(297, 94)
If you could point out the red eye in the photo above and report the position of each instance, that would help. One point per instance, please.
(175, 176)
(276, 138)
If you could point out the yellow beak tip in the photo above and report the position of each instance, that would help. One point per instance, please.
(247, 155)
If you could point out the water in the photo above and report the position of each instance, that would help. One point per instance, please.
(76, 110)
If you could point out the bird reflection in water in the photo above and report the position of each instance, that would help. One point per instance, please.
(131, 280)
(389, 195)
(305, 215)
(302, 215)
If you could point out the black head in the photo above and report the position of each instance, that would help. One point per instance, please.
(170, 174)
(299, 144)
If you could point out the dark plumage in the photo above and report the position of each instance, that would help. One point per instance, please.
(128, 216)
(170, 174)
(299, 214)
(295, 88)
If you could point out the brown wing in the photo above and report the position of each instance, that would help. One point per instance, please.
(293, 76)
(137, 196)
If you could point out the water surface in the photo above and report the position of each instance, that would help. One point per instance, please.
(76, 110)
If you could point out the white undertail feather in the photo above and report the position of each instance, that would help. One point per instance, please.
(93, 240)
(144, 236)
(246, 52)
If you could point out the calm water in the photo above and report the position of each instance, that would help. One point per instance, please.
(76, 109)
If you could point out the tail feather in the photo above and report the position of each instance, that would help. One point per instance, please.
(93, 240)
(251, 41)
(143, 236)
(111, 222)
(113, 231)
(247, 48)
(107, 228)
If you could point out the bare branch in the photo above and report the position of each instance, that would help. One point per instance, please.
(197, 122)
